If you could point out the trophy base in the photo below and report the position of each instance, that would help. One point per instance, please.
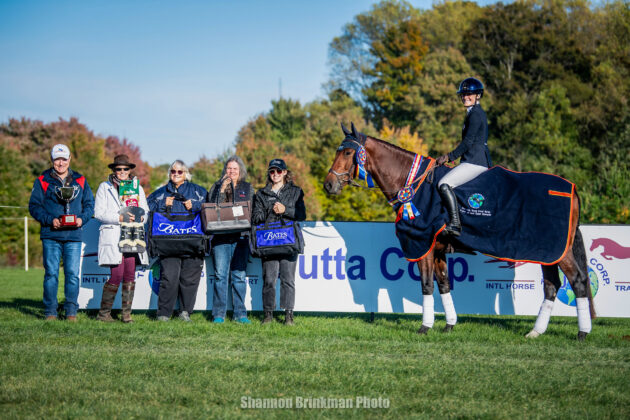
(68, 221)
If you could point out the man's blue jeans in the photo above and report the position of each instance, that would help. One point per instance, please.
(230, 261)
(71, 252)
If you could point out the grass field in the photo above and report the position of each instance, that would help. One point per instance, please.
(483, 369)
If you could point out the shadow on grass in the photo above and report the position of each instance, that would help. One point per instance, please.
(34, 308)
(29, 307)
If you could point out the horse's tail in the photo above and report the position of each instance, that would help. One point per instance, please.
(579, 253)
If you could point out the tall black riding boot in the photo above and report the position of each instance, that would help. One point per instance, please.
(454, 226)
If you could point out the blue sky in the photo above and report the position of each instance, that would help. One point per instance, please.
(177, 78)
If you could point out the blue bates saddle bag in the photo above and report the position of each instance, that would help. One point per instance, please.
(277, 239)
(176, 235)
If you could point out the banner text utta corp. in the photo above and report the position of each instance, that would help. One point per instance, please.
(334, 264)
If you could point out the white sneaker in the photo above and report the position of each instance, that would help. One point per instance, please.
(184, 316)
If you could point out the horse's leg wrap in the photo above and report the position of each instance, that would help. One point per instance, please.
(428, 312)
(543, 319)
(449, 308)
(584, 315)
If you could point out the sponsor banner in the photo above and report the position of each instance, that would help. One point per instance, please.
(359, 267)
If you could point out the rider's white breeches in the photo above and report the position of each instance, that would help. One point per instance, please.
(461, 174)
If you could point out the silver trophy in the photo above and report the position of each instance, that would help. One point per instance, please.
(66, 195)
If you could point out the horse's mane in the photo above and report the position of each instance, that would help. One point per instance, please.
(391, 146)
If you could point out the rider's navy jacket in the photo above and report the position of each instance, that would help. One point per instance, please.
(193, 192)
(44, 205)
(474, 146)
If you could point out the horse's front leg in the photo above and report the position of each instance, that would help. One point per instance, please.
(551, 285)
(425, 266)
(441, 275)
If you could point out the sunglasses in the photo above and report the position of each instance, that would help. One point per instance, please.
(178, 172)
(122, 169)
(275, 171)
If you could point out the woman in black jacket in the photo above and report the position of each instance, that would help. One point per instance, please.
(280, 198)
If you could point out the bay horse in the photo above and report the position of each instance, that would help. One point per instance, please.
(389, 166)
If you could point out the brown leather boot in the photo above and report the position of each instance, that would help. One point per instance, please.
(128, 290)
(109, 294)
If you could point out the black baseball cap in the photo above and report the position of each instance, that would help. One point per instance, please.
(277, 163)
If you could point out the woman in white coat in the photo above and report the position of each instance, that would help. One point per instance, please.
(123, 265)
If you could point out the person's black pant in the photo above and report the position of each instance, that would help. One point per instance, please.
(179, 276)
(285, 268)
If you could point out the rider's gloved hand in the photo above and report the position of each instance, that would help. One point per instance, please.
(442, 160)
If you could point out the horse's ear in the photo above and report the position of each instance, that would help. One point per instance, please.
(354, 130)
(345, 130)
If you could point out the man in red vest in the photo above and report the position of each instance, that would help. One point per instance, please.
(57, 192)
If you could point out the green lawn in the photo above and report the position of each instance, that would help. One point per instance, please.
(483, 369)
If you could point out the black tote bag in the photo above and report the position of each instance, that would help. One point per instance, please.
(176, 234)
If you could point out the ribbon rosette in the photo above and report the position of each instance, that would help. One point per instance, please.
(361, 157)
(409, 211)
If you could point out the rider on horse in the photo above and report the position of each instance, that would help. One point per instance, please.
(473, 150)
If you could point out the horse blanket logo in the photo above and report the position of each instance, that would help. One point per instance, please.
(475, 201)
(610, 249)
(519, 216)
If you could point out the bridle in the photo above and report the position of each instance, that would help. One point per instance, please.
(349, 143)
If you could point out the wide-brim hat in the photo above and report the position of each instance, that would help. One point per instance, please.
(121, 160)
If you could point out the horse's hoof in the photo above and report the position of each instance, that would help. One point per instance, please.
(423, 330)
(532, 334)
(582, 335)
(448, 328)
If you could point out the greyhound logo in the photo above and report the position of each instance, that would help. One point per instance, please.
(611, 249)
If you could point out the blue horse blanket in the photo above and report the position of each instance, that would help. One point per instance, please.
(514, 216)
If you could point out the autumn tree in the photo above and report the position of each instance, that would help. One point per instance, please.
(25, 147)
(351, 57)
(399, 53)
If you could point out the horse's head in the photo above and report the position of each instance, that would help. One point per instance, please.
(342, 170)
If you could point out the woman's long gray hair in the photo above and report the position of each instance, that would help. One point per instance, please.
(182, 165)
(242, 170)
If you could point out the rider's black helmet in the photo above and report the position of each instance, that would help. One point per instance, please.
(470, 86)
